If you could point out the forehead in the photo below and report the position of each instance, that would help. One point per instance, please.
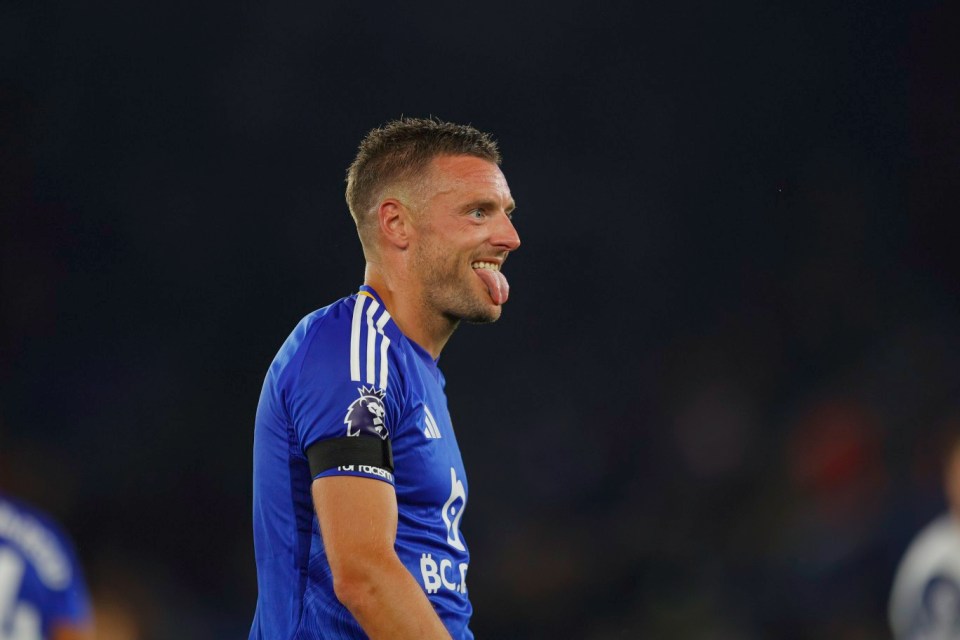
(469, 175)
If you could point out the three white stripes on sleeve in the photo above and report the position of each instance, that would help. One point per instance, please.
(373, 365)
(374, 330)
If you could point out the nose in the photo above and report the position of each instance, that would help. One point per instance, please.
(505, 235)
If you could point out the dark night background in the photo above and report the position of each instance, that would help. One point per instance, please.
(713, 405)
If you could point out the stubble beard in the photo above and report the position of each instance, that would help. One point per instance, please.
(448, 291)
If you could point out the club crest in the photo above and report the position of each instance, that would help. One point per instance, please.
(453, 510)
(366, 414)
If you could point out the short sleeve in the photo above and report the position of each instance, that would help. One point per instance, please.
(341, 389)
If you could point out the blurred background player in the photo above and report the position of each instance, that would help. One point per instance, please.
(925, 600)
(42, 591)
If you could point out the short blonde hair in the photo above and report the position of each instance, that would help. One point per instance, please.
(401, 150)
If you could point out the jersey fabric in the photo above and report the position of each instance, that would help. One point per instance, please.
(925, 600)
(348, 371)
(41, 584)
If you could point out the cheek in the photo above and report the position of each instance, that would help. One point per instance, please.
(440, 261)
(450, 250)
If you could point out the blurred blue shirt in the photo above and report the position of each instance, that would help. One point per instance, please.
(41, 583)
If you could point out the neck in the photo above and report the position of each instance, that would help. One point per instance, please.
(404, 301)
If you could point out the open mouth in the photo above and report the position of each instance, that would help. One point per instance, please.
(496, 282)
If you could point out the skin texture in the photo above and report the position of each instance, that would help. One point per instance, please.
(358, 522)
(421, 267)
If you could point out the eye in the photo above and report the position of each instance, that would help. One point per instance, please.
(478, 214)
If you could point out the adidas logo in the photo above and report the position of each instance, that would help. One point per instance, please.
(431, 430)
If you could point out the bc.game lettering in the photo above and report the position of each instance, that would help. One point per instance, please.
(436, 575)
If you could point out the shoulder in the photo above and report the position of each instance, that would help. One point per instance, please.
(934, 550)
(937, 543)
(930, 564)
(352, 341)
(39, 539)
(366, 341)
(326, 329)
(14, 511)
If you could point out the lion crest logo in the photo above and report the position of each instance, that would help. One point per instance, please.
(365, 414)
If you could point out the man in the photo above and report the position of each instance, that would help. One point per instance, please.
(42, 592)
(925, 600)
(359, 487)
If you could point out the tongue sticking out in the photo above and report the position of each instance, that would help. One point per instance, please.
(497, 284)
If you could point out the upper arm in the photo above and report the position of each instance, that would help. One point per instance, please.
(358, 522)
(344, 423)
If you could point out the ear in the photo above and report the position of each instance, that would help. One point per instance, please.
(395, 224)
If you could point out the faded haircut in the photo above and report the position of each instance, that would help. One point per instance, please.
(401, 151)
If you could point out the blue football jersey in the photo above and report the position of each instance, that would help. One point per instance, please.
(347, 373)
(41, 584)
(925, 599)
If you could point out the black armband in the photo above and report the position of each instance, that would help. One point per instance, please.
(349, 450)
